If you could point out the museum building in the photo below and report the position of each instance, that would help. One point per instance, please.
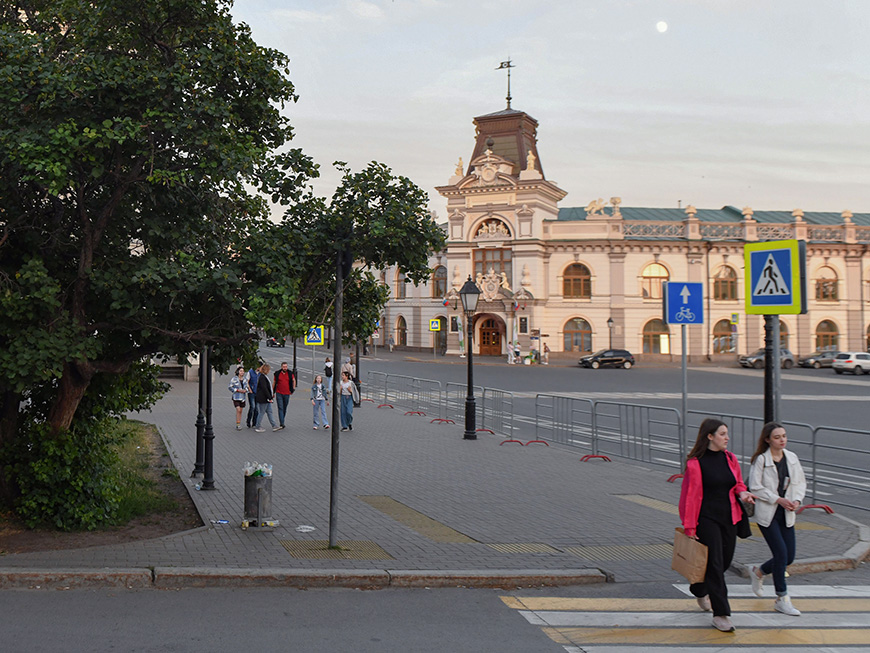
(588, 278)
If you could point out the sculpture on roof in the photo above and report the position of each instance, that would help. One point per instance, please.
(530, 161)
(458, 171)
(615, 202)
(595, 207)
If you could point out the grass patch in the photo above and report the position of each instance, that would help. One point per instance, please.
(140, 493)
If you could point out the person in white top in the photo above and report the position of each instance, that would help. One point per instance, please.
(777, 480)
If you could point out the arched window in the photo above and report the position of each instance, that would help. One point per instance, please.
(577, 335)
(826, 285)
(401, 332)
(783, 334)
(577, 282)
(827, 335)
(723, 338)
(725, 284)
(439, 282)
(656, 338)
(400, 284)
(653, 276)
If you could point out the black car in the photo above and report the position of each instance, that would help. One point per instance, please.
(275, 342)
(608, 358)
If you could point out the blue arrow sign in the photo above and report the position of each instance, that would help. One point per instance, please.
(683, 302)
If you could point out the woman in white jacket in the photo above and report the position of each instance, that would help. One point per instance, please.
(777, 480)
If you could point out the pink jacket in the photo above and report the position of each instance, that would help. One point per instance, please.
(692, 493)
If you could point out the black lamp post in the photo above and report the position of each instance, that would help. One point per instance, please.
(469, 295)
(610, 329)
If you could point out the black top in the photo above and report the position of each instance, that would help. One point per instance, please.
(717, 480)
(782, 472)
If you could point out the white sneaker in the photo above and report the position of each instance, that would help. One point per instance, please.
(783, 604)
(260, 430)
(757, 582)
(704, 603)
(724, 624)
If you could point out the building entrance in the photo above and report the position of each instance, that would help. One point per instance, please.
(490, 337)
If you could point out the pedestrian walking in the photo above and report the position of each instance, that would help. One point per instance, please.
(777, 480)
(546, 355)
(239, 388)
(710, 511)
(349, 394)
(319, 401)
(327, 368)
(349, 367)
(391, 342)
(265, 397)
(251, 379)
(285, 385)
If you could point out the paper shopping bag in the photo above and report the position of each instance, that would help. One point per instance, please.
(690, 557)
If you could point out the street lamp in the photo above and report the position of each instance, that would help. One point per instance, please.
(610, 329)
(470, 294)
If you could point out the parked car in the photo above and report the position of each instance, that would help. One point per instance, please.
(856, 362)
(608, 358)
(818, 359)
(756, 359)
(276, 342)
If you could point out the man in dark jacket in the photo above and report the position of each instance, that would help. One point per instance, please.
(264, 399)
(251, 377)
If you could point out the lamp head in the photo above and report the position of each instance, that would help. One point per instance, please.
(469, 294)
(610, 323)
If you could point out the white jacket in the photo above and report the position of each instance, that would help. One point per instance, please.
(763, 483)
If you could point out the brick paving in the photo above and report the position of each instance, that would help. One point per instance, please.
(492, 494)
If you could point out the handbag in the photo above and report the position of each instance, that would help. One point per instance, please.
(744, 530)
(690, 557)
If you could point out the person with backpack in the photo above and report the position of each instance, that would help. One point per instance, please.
(327, 368)
(251, 378)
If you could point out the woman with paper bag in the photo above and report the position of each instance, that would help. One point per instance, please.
(710, 511)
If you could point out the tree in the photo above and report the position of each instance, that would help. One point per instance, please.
(139, 145)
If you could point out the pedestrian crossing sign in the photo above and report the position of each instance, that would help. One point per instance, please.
(776, 277)
(314, 336)
(435, 324)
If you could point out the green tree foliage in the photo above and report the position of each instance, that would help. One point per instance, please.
(140, 144)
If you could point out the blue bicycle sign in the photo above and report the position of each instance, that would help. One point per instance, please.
(685, 315)
(683, 302)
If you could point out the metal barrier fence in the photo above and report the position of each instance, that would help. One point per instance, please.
(454, 402)
(417, 394)
(566, 420)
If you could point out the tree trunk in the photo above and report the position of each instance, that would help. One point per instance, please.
(71, 388)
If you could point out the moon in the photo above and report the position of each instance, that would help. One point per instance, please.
(662, 27)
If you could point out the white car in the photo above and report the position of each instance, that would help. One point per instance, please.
(856, 362)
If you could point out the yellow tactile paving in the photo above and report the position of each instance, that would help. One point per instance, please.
(677, 605)
(711, 636)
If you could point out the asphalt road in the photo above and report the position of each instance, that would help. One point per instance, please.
(811, 397)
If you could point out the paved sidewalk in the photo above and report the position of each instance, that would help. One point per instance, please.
(442, 510)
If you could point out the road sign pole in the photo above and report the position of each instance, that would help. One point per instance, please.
(777, 367)
(685, 395)
(771, 368)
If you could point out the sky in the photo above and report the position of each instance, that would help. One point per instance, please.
(760, 103)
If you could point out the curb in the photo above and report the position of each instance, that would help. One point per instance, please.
(363, 579)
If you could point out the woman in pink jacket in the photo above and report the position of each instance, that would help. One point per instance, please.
(709, 510)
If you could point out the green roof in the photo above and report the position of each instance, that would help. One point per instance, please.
(725, 214)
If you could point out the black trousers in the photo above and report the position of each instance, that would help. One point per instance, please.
(721, 539)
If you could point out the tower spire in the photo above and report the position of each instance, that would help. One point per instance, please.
(507, 64)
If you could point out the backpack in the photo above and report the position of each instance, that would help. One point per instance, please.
(327, 370)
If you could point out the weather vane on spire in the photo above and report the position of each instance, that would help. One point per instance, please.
(507, 64)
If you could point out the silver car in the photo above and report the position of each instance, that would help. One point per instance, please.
(818, 359)
(756, 359)
(856, 362)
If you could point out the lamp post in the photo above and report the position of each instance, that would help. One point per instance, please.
(470, 294)
(610, 329)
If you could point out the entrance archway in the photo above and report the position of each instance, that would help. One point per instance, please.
(441, 336)
(491, 335)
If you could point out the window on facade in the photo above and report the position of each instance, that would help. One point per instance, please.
(725, 284)
(401, 332)
(577, 281)
(656, 338)
(724, 338)
(524, 325)
(783, 335)
(498, 260)
(653, 276)
(454, 324)
(826, 285)
(400, 285)
(827, 335)
(868, 339)
(439, 282)
(577, 335)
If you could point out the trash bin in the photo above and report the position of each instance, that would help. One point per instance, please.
(258, 496)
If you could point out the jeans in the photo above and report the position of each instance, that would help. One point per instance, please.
(320, 409)
(267, 409)
(282, 401)
(251, 419)
(780, 539)
(346, 411)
